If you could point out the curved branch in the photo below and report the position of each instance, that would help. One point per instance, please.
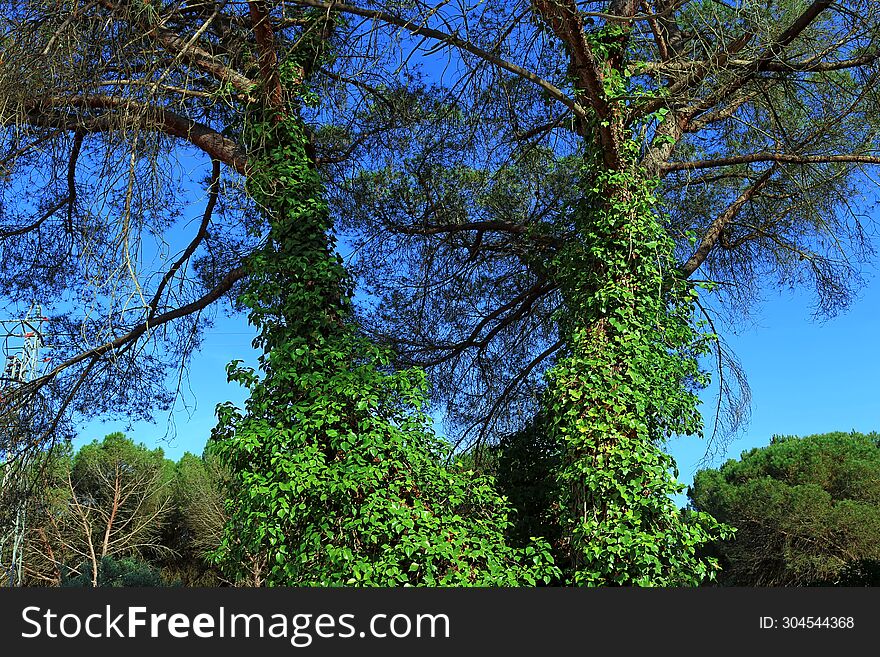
(47, 112)
(715, 229)
(780, 158)
(521, 303)
(21, 230)
(78, 138)
(213, 193)
(509, 388)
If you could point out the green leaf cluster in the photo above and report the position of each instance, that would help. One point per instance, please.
(114, 573)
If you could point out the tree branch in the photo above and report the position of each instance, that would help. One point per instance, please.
(45, 112)
(199, 304)
(21, 230)
(189, 52)
(714, 232)
(512, 384)
(781, 158)
(769, 57)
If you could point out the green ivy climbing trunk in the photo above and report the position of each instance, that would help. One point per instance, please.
(627, 383)
(338, 479)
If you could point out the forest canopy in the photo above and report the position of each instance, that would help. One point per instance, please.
(450, 141)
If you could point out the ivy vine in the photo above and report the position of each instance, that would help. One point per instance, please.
(628, 381)
(338, 477)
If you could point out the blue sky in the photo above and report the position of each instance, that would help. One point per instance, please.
(806, 376)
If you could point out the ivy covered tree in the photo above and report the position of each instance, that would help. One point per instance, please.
(806, 511)
(558, 251)
(758, 121)
(116, 513)
(337, 476)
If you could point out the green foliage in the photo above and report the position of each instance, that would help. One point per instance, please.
(337, 477)
(626, 383)
(94, 462)
(114, 573)
(526, 466)
(807, 511)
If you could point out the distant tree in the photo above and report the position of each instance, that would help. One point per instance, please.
(111, 499)
(806, 510)
(196, 522)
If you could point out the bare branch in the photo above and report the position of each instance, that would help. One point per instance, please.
(710, 237)
(781, 158)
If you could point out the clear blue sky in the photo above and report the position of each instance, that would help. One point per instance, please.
(806, 376)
